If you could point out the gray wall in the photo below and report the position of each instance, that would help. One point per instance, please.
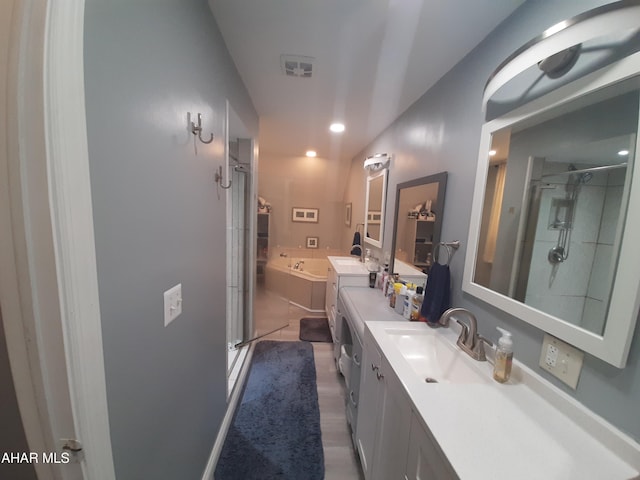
(441, 131)
(159, 221)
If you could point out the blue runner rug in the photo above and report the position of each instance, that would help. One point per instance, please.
(275, 432)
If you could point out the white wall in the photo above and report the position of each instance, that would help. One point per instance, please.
(288, 182)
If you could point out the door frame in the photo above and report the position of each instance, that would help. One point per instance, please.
(52, 314)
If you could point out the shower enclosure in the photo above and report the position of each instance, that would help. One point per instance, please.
(567, 239)
(237, 181)
(551, 226)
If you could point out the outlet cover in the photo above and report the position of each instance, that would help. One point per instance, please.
(172, 304)
(561, 360)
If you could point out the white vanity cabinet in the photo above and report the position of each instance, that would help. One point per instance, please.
(424, 460)
(331, 297)
(342, 272)
(348, 336)
(384, 417)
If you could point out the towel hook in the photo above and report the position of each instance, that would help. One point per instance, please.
(450, 246)
(218, 178)
(197, 129)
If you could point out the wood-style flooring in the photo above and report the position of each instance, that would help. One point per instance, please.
(340, 459)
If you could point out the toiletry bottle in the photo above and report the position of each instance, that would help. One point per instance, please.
(394, 294)
(400, 290)
(393, 278)
(504, 357)
(416, 304)
(385, 280)
(408, 301)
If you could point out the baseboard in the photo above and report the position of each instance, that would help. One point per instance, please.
(228, 416)
(305, 308)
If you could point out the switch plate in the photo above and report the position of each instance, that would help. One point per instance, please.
(561, 360)
(172, 304)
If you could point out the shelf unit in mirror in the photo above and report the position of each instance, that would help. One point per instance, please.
(417, 221)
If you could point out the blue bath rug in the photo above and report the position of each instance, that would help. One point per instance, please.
(275, 432)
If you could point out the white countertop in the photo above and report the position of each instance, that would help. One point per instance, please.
(348, 266)
(407, 270)
(524, 429)
(367, 304)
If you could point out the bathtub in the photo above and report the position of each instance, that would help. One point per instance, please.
(303, 287)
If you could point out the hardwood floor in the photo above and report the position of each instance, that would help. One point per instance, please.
(340, 459)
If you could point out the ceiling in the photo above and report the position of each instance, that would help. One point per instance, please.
(372, 60)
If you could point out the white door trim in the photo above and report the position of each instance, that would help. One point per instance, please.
(53, 324)
(72, 221)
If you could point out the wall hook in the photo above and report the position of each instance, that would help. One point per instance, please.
(197, 130)
(218, 177)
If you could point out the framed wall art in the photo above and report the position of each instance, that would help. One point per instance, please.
(309, 215)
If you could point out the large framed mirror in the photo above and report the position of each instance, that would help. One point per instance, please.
(375, 199)
(417, 224)
(552, 238)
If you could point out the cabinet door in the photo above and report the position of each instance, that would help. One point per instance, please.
(393, 429)
(424, 460)
(331, 295)
(368, 405)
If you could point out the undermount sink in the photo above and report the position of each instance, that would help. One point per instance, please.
(432, 358)
(347, 261)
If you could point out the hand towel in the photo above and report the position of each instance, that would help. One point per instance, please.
(356, 248)
(356, 239)
(437, 293)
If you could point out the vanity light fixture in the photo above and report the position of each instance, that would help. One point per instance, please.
(337, 127)
(623, 153)
(376, 162)
(492, 153)
(311, 153)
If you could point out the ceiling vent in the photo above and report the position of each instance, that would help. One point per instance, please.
(296, 66)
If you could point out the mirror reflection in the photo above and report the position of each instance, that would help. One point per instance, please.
(417, 224)
(374, 208)
(556, 194)
(374, 215)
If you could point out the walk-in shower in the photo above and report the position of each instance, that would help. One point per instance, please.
(563, 213)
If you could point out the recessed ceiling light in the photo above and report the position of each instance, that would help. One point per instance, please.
(311, 153)
(623, 153)
(337, 127)
(492, 153)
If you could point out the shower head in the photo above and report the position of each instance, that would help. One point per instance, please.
(578, 178)
(586, 177)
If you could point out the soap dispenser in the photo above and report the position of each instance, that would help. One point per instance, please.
(504, 357)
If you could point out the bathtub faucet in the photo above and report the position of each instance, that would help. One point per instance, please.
(297, 265)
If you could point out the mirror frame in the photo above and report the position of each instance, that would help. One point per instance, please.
(441, 180)
(614, 344)
(376, 243)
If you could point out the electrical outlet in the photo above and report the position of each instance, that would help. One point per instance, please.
(552, 355)
(561, 360)
(172, 304)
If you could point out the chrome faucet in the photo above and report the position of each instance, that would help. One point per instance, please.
(469, 341)
(297, 265)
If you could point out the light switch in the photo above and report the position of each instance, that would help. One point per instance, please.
(561, 360)
(172, 303)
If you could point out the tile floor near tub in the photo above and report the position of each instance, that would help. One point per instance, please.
(339, 457)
